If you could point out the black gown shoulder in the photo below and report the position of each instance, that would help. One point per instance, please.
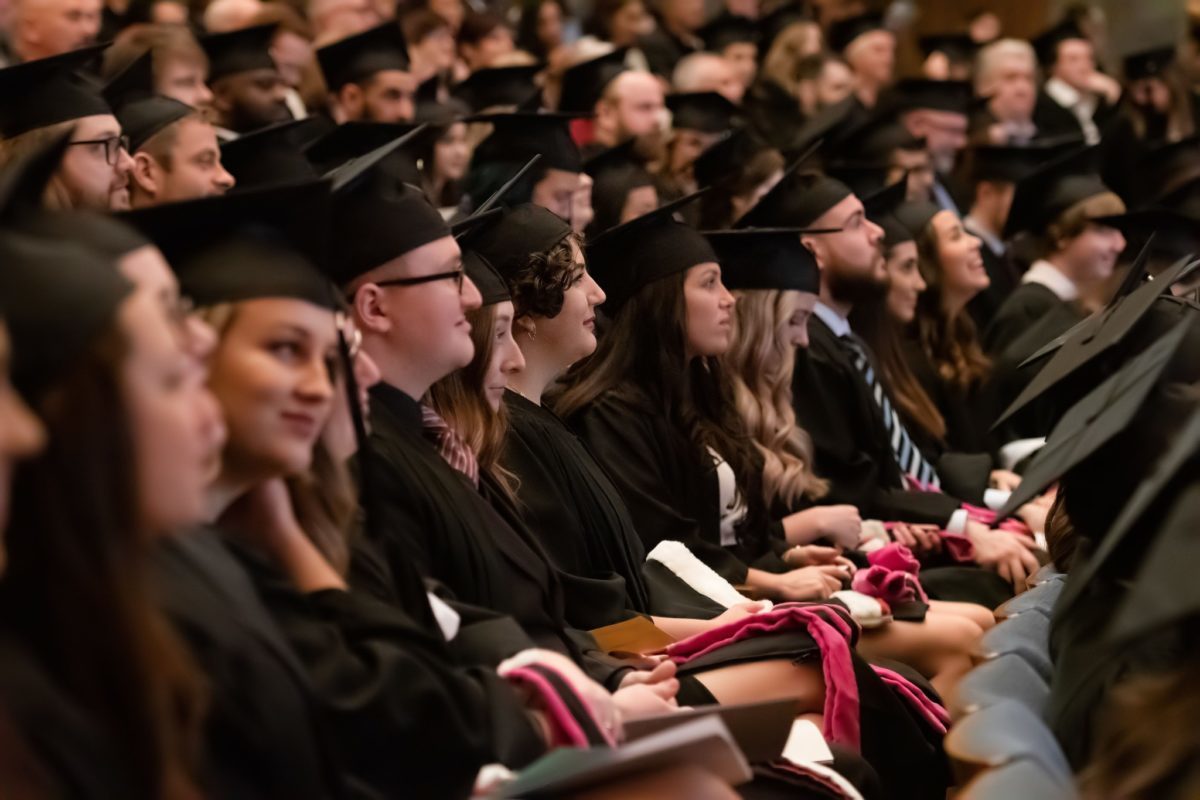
(852, 448)
(406, 719)
(1003, 278)
(966, 419)
(263, 732)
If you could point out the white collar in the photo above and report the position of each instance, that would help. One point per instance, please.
(1044, 273)
(835, 321)
(1063, 93)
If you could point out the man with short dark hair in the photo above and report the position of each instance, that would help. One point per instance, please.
(248, 91)
(368, 76)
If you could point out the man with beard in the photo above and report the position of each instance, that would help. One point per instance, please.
(937, 112)
(860, 443)
(627, 104)
(369, 77)
(248, 91)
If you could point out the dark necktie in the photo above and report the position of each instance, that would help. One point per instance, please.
(450, 445)
(908, 455)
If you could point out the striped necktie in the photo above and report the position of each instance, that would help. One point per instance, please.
(450, 445)
(908, 455)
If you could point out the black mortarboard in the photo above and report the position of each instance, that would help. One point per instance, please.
(727, 157)
(845, 31)
(727, 29)
(239, 51)
(1149, 63)
(268, 156)
(1051, 189)
(864, 179)
(376, 221)
(873, 141)
(269, 242)
(498, 86)
(916, 215)
(1164, 169)
(957, 47)
(909, 94)
(360, 56)
(776, 21)
(518, 136)
(1165, 590)
(880, 207)
(1175, 233)
(765, 258)
(1006, 163)
(508, 238)
(1046, 43)
(796, 201)
(615, 173)
(491, 286)
(1106, 329)
(1098, 417)
(56, 299)
(141, 111)
(654, 246)
(707, 112)
(37, 94)
(583, 84)
(830, 124)
(353, 139)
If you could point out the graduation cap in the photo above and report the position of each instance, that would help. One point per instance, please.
(796, 200)
(1164, 169)
(707, 112)
(1009, 163)
(1100, 333)
(1165, 589)
(37, 94)
(491, 286)
(958, 47)
(863, 178)
(873, 141)
(142, 120)
(498, 86)
(910, 94)
(727, 29)
(1174, 232)
(516, 136)
(765, 258)
(583, 84)
(1149, 63)
(881, 206)
(915, 215)
(845, 31)
(376, 220)
(237, 51)
(268, 156)
(1051, 189)
(654, 246)
(353, 139)
(830, 125)
(727, 157)
(360, 56)
(615, 173)
(507, 239)
(775, 22)
(1046, 43)
(1097, 417)
(267, 242)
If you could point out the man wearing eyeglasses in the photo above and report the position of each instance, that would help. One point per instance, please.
(94, 173)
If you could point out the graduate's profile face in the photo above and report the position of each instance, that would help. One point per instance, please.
(193, 169)
(388, 96)
(572, 331)
(687, 146)
(506, 356)
(905, 283)
(556, 191)
(95, 175)
(873, 56)
(272, 373)
(743, 60)
(247, 101)
(148, 271)
(1092, 255)
(170, 409)
(639, 201)
(452, 153)
(21, 434)
(851, 259)
(795, 324)
(708, 311)
(183, 79)
(960, 261)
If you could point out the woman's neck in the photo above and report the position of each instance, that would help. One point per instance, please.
(540, 371)
(953, 303)
(223, 492)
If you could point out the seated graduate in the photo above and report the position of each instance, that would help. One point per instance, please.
(114, 705)
(861, 445)
(622, 187)
(410, 296)
(662, 423)
(737, 170)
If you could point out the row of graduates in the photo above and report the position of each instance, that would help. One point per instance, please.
(302, 648)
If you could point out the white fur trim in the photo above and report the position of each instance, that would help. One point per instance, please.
(1017, 450)
(695, 573)
(866, 610)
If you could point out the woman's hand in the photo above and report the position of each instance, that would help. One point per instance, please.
(643, 700)
(739, 612)
(918, 538)
(808, 583)
(1007, 554)
(812, 555)
(841, 525)
(1004, 480)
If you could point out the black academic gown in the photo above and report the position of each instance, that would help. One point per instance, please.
(967, 419)
(1003, 278)
(49, 747)
(580, 518)
(852, 448)
(263, 732)
(1053, 120)
(429, 516)
(406, 720)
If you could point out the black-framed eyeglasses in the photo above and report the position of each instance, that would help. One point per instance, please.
(455, 275)
(113, 145)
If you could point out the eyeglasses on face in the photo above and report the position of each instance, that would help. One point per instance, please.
(113, 145)
(454, 275)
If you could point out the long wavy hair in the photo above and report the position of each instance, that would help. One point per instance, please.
(641, 359)
(79, 586)
(760, 365)
(459, 398)
(950, 342)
